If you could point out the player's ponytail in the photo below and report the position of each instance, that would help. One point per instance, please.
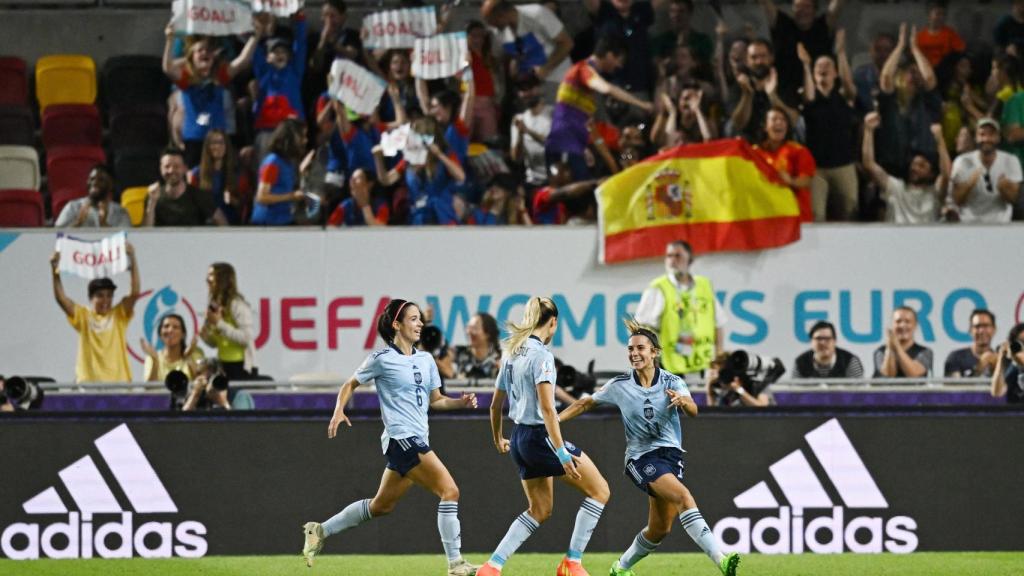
(393, 312)
(637, 329)
(537, 313)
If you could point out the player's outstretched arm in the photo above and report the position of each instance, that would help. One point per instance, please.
(578, 407)
(344, 395)
(439, 401)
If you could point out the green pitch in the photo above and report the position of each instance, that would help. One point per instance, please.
(921, 564)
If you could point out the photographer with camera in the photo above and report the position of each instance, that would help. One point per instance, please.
(741, 379)
(209, 389)
(17, 393)
(229, 324)
(480, 358)
(1008, 375)
(5, 404)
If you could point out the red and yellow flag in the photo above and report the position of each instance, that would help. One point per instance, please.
(719, 196)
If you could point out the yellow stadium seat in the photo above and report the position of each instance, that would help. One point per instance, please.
(134, 201)
(65, 79)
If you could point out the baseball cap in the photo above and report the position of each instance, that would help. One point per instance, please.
(988, 122)
(101, 284)
(278, 42)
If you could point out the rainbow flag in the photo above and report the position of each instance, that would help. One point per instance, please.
(718, 196)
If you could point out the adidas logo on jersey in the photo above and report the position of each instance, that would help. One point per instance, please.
(788, 531)
(81, 535)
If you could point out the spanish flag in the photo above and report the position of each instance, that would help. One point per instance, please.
(718, 196)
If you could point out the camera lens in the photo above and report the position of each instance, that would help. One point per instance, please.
(1016, 347)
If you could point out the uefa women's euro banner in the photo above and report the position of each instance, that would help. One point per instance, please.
(315, 294)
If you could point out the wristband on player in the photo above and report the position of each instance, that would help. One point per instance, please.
(563, 455)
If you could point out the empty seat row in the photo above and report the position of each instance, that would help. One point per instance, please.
(79, 125)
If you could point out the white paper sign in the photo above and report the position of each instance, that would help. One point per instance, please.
(277, 7)
(440, 56)
(415, 151)
(212, 17)
(92, 258)
(393, 141)
(355, 86)
(399, 28)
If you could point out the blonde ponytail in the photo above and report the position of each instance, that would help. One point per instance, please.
(538, 311)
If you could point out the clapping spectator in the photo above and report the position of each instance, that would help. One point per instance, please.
(901, 356)
(986, 181)
(530, 130)
(791, 161)
(203, 81)
(831, 131)
(978, 359)
(219, 177)
(805, 27)
(759, 92)
(280, 176)
(730, 63)
(176, 352)
(682, 123)
(937, 40)
(918, 198)
(98, 209)
(228, 326)
(363, 207)
(173, 202)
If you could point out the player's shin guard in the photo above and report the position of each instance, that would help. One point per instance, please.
(451, 532)
(353, 515)
(586, 520)
(699, 531)
(522, 527)
(637, 551)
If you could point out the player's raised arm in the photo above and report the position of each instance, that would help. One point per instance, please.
(578, 407)
(344, 395)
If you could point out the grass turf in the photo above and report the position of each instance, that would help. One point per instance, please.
(920, 564)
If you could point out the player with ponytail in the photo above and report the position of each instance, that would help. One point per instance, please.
(408, 384)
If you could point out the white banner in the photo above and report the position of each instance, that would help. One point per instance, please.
(399, 28)
(281, 8)
(212, 17)
(440, 56)
(356, 87)
(92, 258)
(317, 313)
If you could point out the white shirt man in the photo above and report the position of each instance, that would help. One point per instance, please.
(536, 122)
(986, 181)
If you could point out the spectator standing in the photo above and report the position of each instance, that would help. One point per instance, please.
(805, 27)
(278, 67)
(397, 72)
(1008, 374)
(334, 40)
(363, 207)
(218, 176)
(901, 356)
(228, 326)
(986, 181)
(684, 123)
(533, 36)
(98, 209)
(831, 131)
(759, 92)
(681, 33)
(962, 103)
(937, 40)
(628, 19)
(730, 62)
(174, 354)
(102, 347)
(1013, 126)
(488, 82)
(280, 177)
(978, 359)
(825, 359)
(203, 81)
(791, 160)
(530, 129)
(918, 199)
(682, 307)
(173, 202)
(866, 76)
(1009, 31)
(908, 104)
(577, 101)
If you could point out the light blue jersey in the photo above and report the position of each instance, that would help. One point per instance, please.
(404, 384)
(527, 366)
(649, 420)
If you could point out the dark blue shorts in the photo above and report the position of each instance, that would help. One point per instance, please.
(655, 464)
(533, 453)
(404, 454)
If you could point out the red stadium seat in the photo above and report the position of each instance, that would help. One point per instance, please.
(13, 81)
(21, 208)
(17, 126)
(71, 125)
(67, 169)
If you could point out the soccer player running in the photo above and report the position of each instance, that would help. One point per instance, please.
(648, 399)
(528, 376)
(408, 385)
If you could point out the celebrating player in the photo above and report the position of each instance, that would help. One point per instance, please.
(648, 399)
(528, 377)
(403, 376)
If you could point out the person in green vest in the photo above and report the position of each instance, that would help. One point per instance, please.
(681, 307)
(229, 324)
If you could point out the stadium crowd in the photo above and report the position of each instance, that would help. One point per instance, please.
(930, 129)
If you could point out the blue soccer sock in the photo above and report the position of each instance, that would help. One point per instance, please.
(637, 551)
(353, 515)
(698, 530)
(586, 520)
(451, 532)
(522, 527)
